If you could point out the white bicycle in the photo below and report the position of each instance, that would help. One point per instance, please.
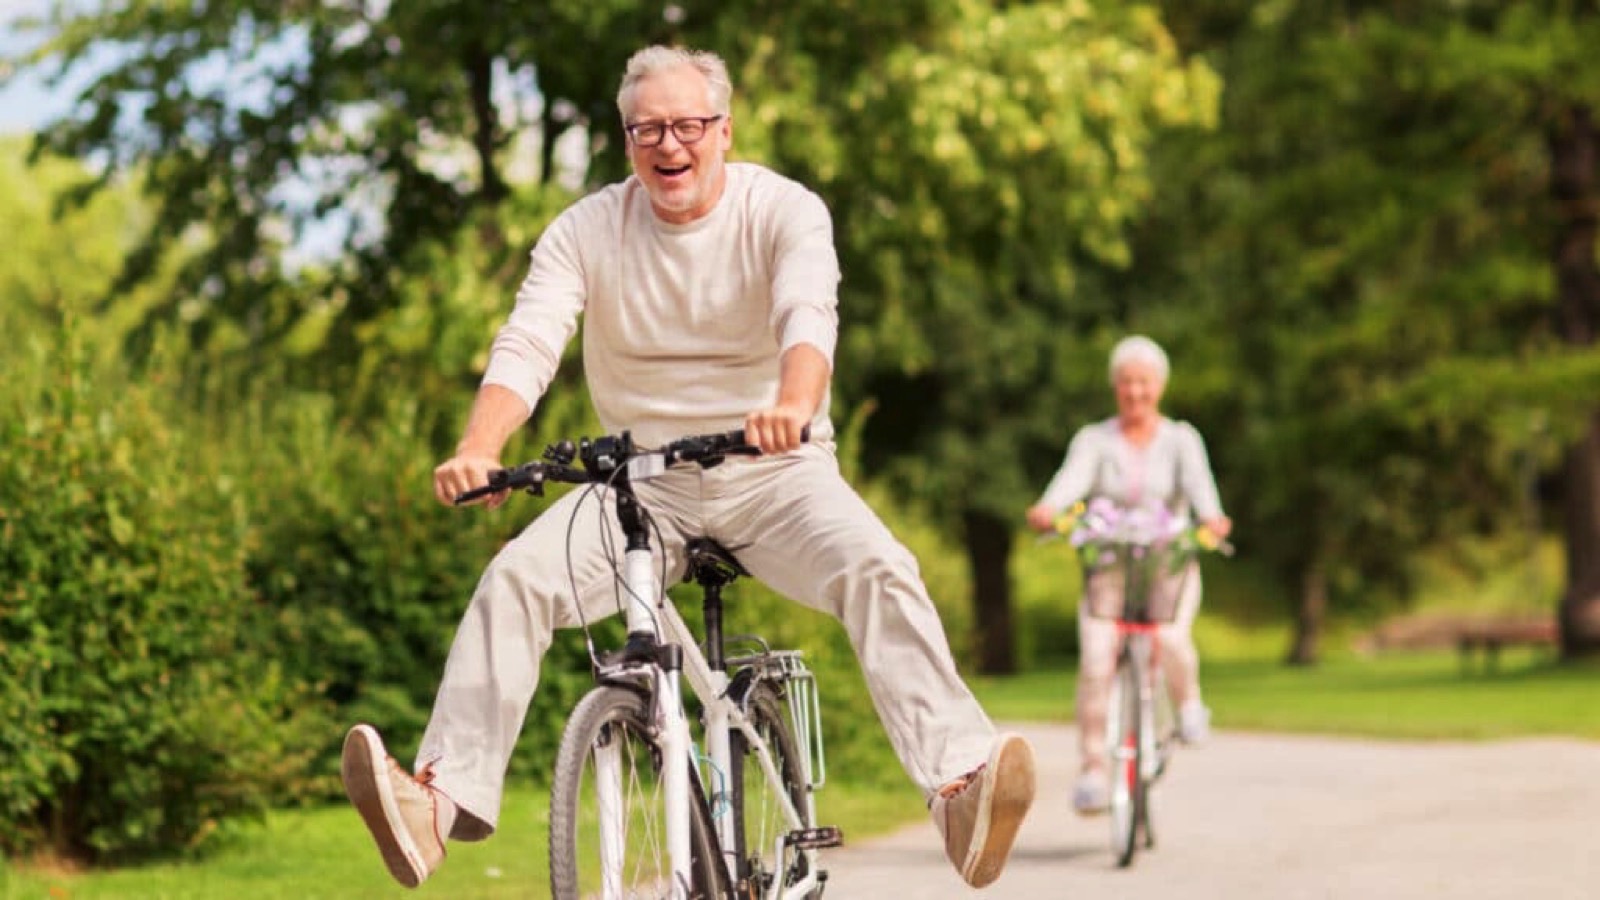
(638, 809)
(1145, 555)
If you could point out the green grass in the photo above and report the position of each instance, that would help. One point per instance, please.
(1423, 696)
(326, 853)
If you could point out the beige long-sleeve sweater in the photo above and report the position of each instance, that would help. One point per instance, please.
(683, 325)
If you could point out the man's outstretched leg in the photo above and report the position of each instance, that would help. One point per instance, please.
(489, 679)
(805, 532)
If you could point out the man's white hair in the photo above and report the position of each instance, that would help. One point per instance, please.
(660, 58)
(1139, 349)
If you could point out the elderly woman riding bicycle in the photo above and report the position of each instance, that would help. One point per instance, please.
(1135, 458)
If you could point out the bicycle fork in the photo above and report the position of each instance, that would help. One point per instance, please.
(645, 635)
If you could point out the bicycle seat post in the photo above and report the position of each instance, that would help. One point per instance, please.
(712, 607)
(712, 568)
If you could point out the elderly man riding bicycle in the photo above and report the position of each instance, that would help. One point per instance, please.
(708, 291)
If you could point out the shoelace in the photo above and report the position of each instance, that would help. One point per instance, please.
(954, 788)
(423, 778)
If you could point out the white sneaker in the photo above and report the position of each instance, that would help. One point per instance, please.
(398, 808)
(979, 813)
(1092, 793)
(1194, 722)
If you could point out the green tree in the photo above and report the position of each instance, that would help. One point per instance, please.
(59, 265)
(973, 153)
(972, 175)
(1377, 209)
(249, 122)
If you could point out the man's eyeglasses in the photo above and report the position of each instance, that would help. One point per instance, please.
(687, 131)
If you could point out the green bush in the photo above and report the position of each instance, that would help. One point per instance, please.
(363, 576)
(136, 718)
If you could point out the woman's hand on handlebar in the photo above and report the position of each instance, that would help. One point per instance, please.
(1042, 518)
(463, 472)
(778, 429)
(1220, 527)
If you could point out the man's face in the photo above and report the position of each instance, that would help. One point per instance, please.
(1138, 387)
(684, 179)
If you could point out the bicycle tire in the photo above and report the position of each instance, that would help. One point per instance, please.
(1124, 756)
(615, 721)
(758, 818)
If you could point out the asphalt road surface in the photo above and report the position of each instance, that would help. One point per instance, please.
(1265, 817)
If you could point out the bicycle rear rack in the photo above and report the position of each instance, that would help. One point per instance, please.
(788, 668)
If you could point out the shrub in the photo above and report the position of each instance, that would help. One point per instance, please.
(363, 576)
(136, 719)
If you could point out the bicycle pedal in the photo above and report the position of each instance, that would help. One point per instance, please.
(820, 838)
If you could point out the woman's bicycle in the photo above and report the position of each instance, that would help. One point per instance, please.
(1141, 558)
(637, 808)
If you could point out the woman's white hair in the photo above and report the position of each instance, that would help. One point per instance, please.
(1139, 349)
(660, 58)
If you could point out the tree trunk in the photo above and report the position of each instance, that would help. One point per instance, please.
(1310, 616)
(1575, 186)
(1580, 606)
(486, 125)
(988, 541)
(549, 131)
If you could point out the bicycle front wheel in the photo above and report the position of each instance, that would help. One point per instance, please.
(1124, 749)
(608, 822)
(760, 818)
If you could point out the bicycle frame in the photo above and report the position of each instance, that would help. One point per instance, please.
(649, 612)
(1138, 633)
(1142, 644)
(660, 650)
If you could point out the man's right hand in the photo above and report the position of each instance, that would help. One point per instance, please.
(463, 472)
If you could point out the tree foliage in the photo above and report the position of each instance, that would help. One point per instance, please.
(1376, 207)
(934, 150)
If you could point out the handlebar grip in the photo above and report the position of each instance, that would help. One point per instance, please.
(736, 437)
(475, 493)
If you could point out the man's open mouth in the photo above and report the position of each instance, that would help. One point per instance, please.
(672, 171)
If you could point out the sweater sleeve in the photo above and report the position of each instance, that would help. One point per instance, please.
(527, 349)
(1194, 472)
(805, 279)
(1074, 479)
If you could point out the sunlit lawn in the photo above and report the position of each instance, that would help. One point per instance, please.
(326, 853)
(1426, 696)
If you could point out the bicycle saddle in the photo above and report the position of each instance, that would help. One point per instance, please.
(710, 562)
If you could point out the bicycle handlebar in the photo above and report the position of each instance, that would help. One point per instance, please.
(1205, 540)
(602, 457)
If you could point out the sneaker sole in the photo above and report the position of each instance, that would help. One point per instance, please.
(1005, 802)
(366, 782)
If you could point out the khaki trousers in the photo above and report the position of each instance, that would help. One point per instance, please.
(1098, 646)
(795, 524)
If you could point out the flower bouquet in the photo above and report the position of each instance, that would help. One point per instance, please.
(1135, 558)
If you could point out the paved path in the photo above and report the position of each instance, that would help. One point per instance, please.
(1255, 817)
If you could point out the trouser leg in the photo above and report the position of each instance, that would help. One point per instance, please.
(493, 667)
(800, 528)
(1097, 663)
(1180, 660)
